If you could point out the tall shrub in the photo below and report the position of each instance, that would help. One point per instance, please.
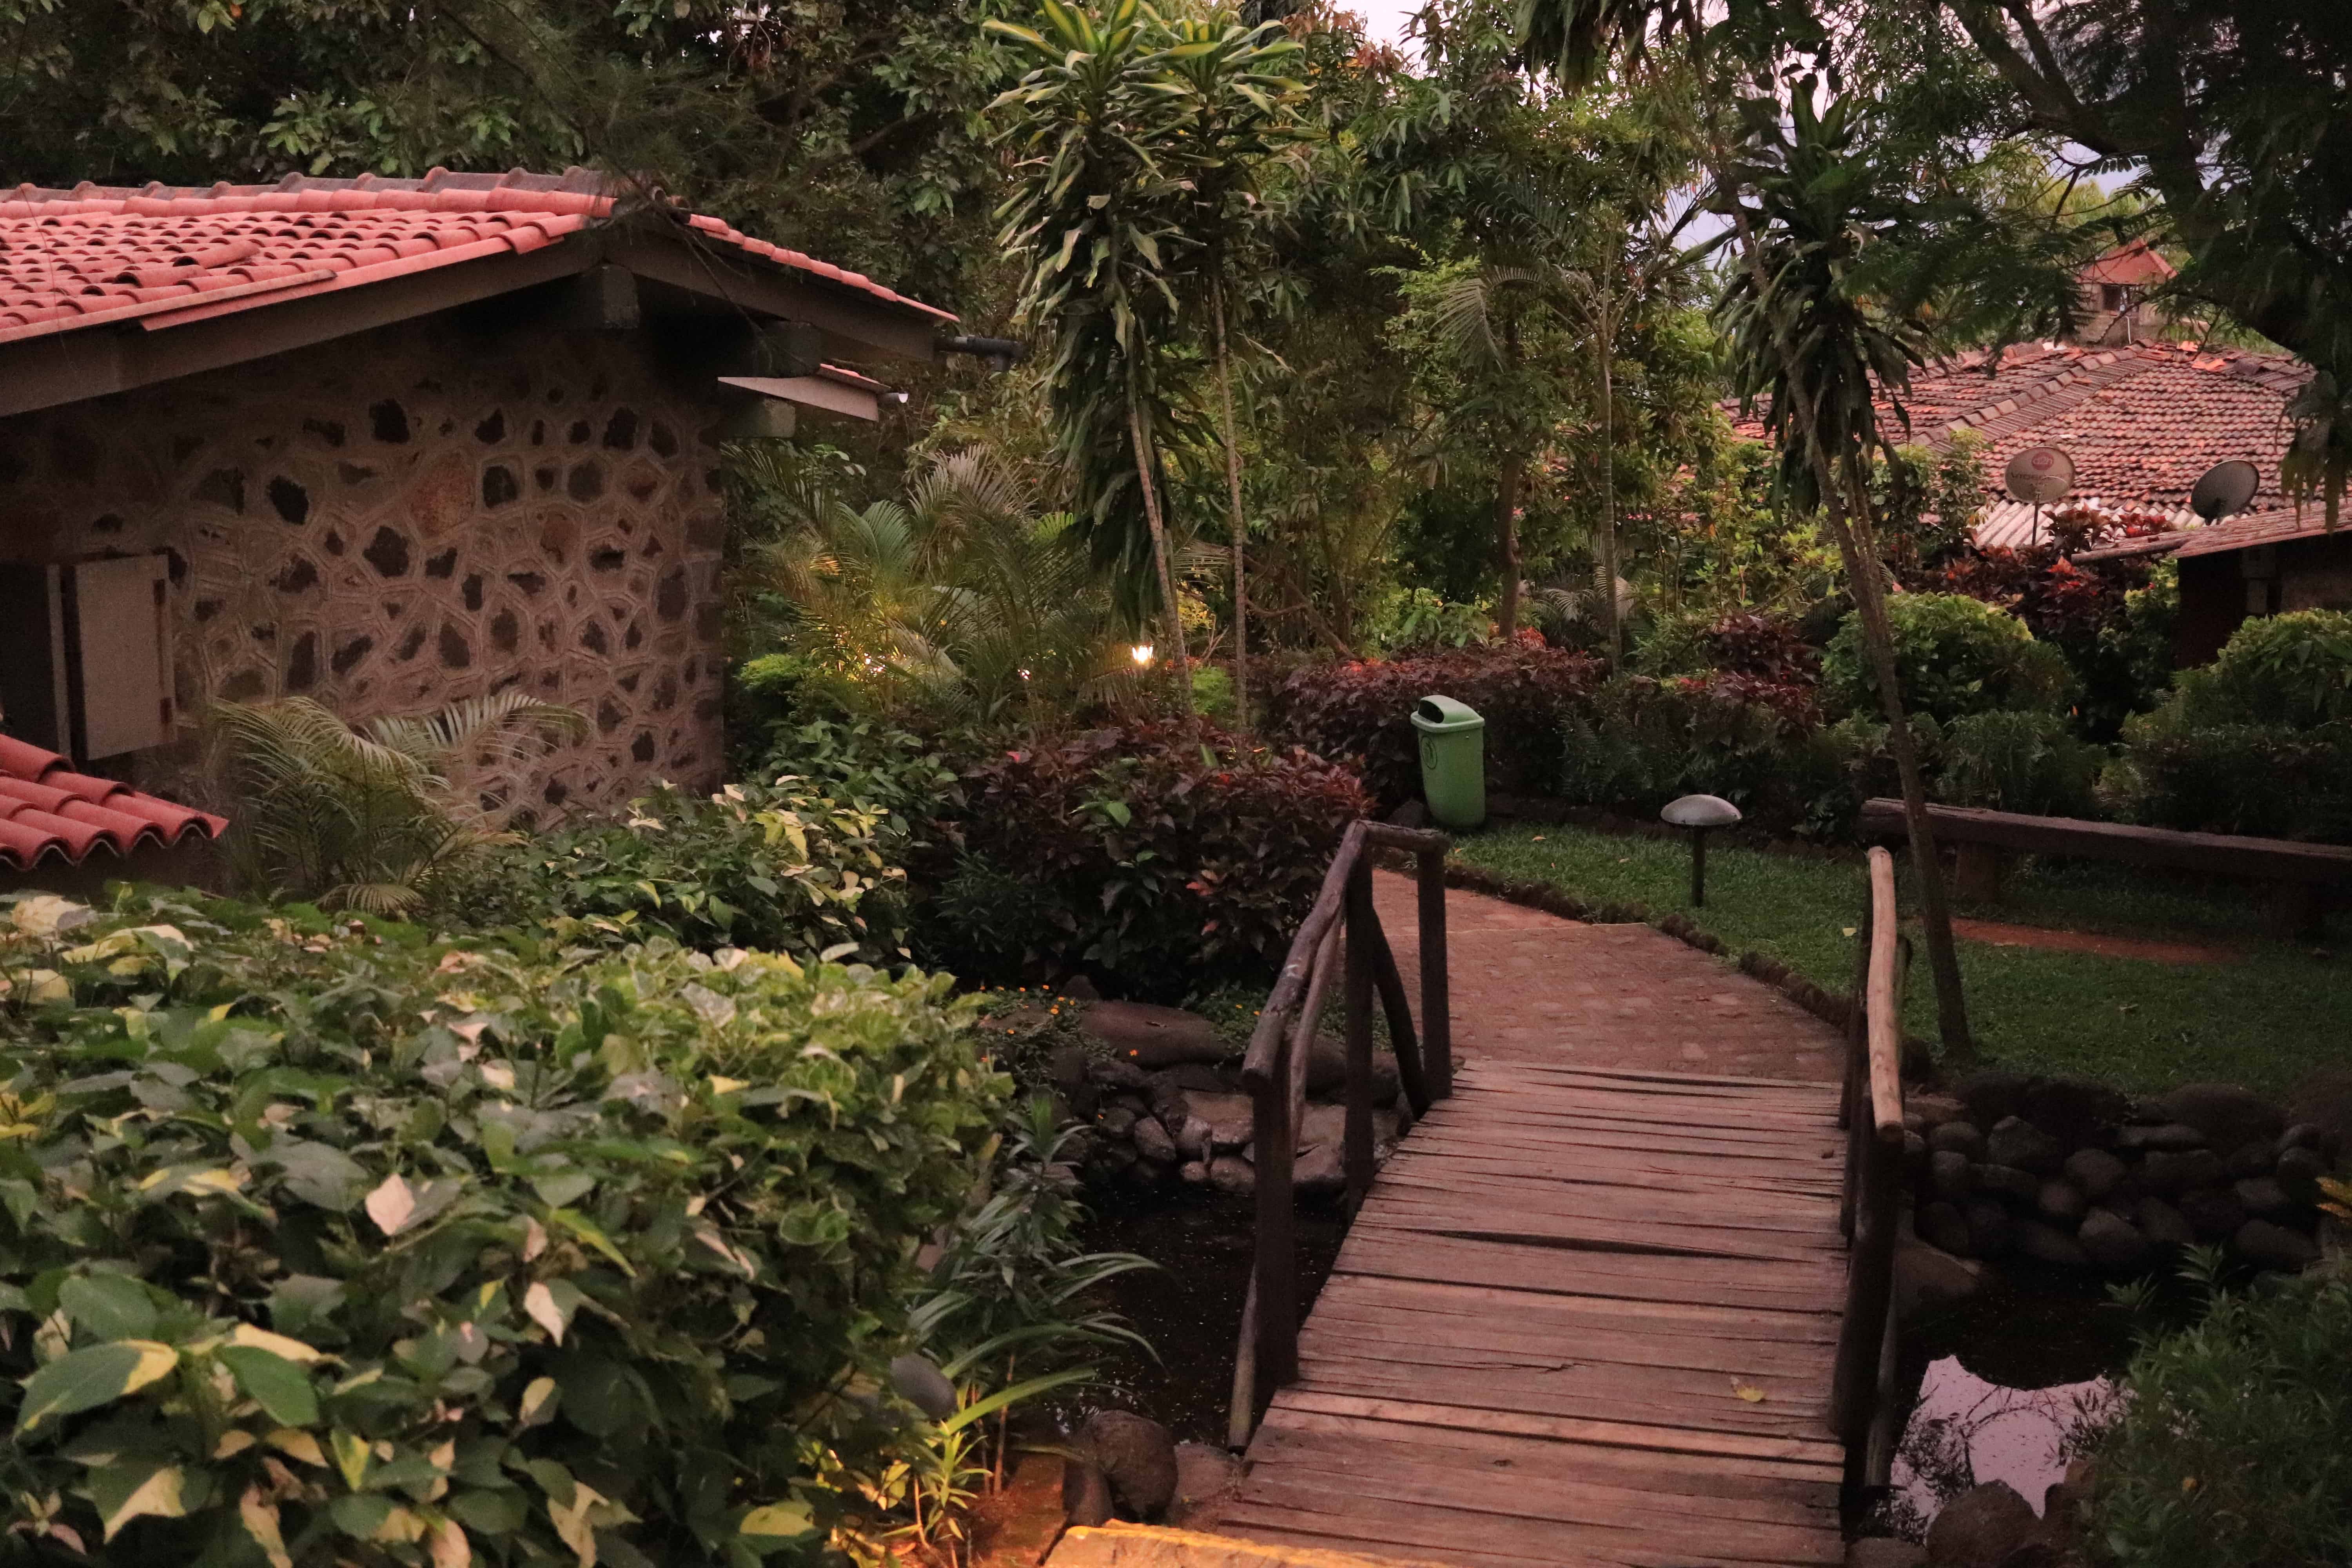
(325, 1244)
(1953, 655)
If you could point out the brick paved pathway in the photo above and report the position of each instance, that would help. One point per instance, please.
(1531, 987)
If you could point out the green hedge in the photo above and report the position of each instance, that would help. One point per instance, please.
(1953, 656)
(323, 1242)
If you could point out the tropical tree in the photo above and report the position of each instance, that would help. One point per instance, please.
(1095, 214)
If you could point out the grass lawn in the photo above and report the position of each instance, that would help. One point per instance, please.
(2262, 1020)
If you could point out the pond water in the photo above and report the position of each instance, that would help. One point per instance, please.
(1189, 1308)
(2009, 1389)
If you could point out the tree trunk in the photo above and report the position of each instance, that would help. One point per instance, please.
(1178, 664)
(1233, 505)
(1507, 542)
(1608, 496)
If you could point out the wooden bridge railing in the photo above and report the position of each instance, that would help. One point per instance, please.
(1342, 923)
(1862, 1394)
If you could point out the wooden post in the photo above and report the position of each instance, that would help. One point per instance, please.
(1436, 1020)
(1852, 1115)
(1277, 1273)
(1357, 1148)
(1877, 1127)
(1411, 1072)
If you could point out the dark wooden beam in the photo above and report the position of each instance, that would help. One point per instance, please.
(2215, 854)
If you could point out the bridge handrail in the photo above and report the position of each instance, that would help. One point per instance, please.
(1862, 1394)
(1340, 935)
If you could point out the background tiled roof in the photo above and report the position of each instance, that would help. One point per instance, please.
(2141, 423)
(2259, 528)
(91, 255)
(49, 811)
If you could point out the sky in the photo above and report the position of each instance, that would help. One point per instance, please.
(1383, 19)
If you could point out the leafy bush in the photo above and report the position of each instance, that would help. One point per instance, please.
(2294, 669)
(1407, 618)
(1362, 711)
(2268, 780)
(2017, 761)
(785, 868)
(873, 765)
(1639, 743)
(1159, 856)
(2235, 1444)
(326, 1244)
(1953, 655)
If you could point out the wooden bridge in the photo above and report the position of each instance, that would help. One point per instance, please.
(1590, 1312)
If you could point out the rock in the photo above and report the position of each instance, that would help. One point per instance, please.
(1112, 1158)
(1990, 1235)
(2268, 1245)
(1884, 1552)
(1927, 1279)
(2168, 1174)
(1119, 1075)
(2324, 1099)
(1192, 1138)
(2113, 1243)
(1066, 1066)
(1231, 1174)
(2076, 1114)
(1942, 1225)
(2249, 1159)
(1152, 1142)
(1957, 1138)
(1086, 1494)
(1205, 1478)
(1411, 814)
(1933, 1109)
(1136, 1455)
(2062, 1513)
(2009, 1183)
(1949, 1176)
(1327, 1071)
(2213, 1213)
(2227, 1116)
(1119, 1122)
(2307, 1135)
(1915, 1153)
(2095, 1171)
(2299, 1169)
(1321, 1168)
(2172, 1137)
(2016, 1141)
(1227, 1115)
(1029, 1513)
(1148, 1174)
(2261, 1196)
(2062, 1203)
(923, 1385)
(1979, 1528)
(1992, 1096)
(2048, 1245)
(2164, 1226)
(1152, 1036)
(1194, 1171)
(1078, 988)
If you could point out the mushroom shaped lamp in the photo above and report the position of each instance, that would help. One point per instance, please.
(1699, 812)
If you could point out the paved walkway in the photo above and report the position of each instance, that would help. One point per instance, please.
(1586, 1313)
(1533, 987)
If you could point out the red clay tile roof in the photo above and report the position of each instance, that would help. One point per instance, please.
(2259, 528)
(2141, 422)
(2133, 263)
(48, 810)
(79, 258)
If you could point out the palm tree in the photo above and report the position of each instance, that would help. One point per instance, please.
(373, 818)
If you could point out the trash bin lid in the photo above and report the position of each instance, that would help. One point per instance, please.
(1700, 810)
(1437, 715)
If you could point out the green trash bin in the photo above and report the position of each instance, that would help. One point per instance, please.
(1453, 762)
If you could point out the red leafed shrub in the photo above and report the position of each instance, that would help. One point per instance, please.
(1158, 857)
(1362, 711)
(1764, 649)
(1793, 700)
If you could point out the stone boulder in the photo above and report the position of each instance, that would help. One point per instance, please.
(1086, 1495)
(1948, 1175)
(2213, 1214)
(1928, 1279)
(1944, 1227)
(2014, 1140)
(2229, 1116)
(2113, 1243)
(1991, 1233)
(1992, 1097)
(1153, 1038)
(2095, 1171)
(1227, 1117)
(1152, 1142)
(2062, 1203)
(2170, 1137)
(1327, 1071)
(2299, 1169)
(1136, 1455)
(2264, 1197)
(1205, 1477)
(1231, 1174)
(2164, 1226)
(1884, 1552)
(2268, 1245)
(2075, 1113)
(2323, 1100)
(2009, 1183)
(1959, 1138)
(2047, 1244)
(1981, 1526)
(2170, 1173)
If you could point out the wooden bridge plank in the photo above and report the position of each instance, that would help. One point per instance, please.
(1543, 1339)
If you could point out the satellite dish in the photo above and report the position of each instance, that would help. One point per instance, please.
(2224, 489)
(2041, 476)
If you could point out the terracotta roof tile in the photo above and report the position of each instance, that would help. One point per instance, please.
(48, 811)
(2259, 528)
(2141, 423)
(79, 257)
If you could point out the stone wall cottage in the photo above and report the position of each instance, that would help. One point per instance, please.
(391, 443)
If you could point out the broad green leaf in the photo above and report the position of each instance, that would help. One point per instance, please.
(321, 1174)
(779, 1519)
(359, 1514)
(139, 1487)
(487, 1510)
(278, 1384)
(275, 1344)
(86, 1379)
(109, 1306)
(352, 1457)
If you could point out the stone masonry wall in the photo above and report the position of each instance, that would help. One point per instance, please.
(410, 517)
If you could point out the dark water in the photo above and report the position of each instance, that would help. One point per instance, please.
(1189, 1308)
(2009, 1389)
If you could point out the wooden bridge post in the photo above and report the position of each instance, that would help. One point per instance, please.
(1363, 928)
(1436, 1020)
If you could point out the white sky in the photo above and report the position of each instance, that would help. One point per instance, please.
(1383, 19)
